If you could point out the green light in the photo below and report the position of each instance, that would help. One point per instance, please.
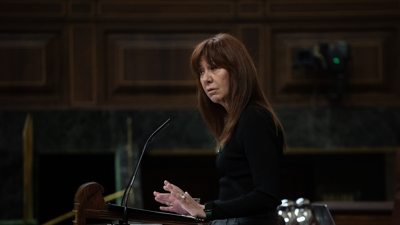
(336, 60)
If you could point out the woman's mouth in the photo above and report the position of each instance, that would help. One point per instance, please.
(210, 90)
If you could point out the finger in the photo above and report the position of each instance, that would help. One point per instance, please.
(176, 188)
(161, 201)
(190, 199)
(162, 195)
(173, 189)
(158, 198)
(171, 186)
(165, 198)
(175, 192)
(173, 209)
(167, 209)
(189, 196)
(166, 182)
(166, 188)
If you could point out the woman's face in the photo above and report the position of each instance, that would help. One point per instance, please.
(215, 82)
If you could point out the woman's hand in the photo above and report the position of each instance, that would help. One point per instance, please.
(173, 205)
(179, 202)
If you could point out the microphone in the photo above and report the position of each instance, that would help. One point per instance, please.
(125, 197)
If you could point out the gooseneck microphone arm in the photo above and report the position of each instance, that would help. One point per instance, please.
(125, 197)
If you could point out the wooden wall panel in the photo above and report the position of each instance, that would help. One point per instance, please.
(82, 65)
(14, 54)
(31, 68)
(371, 76)
(152, 66)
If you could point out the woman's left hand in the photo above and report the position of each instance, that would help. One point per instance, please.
(172, 203)
(182, 200)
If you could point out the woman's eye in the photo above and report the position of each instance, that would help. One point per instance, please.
(201, 72)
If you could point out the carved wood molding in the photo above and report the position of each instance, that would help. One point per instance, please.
(31, 9)
(290, 9)
(206, 10)
(250, 9)
(81, 8)
(153, 10)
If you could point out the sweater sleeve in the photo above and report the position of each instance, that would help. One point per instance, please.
(256, 133)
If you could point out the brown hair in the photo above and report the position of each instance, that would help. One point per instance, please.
(225, 51)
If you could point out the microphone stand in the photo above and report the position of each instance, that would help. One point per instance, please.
(125, 197)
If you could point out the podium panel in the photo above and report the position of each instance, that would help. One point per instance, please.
(89, 204)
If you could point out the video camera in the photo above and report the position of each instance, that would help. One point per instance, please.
(329, 57)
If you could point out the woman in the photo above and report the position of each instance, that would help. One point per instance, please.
(249, 136)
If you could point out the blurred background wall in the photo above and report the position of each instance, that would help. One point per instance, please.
(98, 77)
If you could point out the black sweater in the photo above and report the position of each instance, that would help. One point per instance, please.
(251, 159)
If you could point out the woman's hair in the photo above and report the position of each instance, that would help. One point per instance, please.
(225, 51)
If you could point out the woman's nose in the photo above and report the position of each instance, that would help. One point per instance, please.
(207, 77)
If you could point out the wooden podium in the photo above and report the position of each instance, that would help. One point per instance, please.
(89, 203)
